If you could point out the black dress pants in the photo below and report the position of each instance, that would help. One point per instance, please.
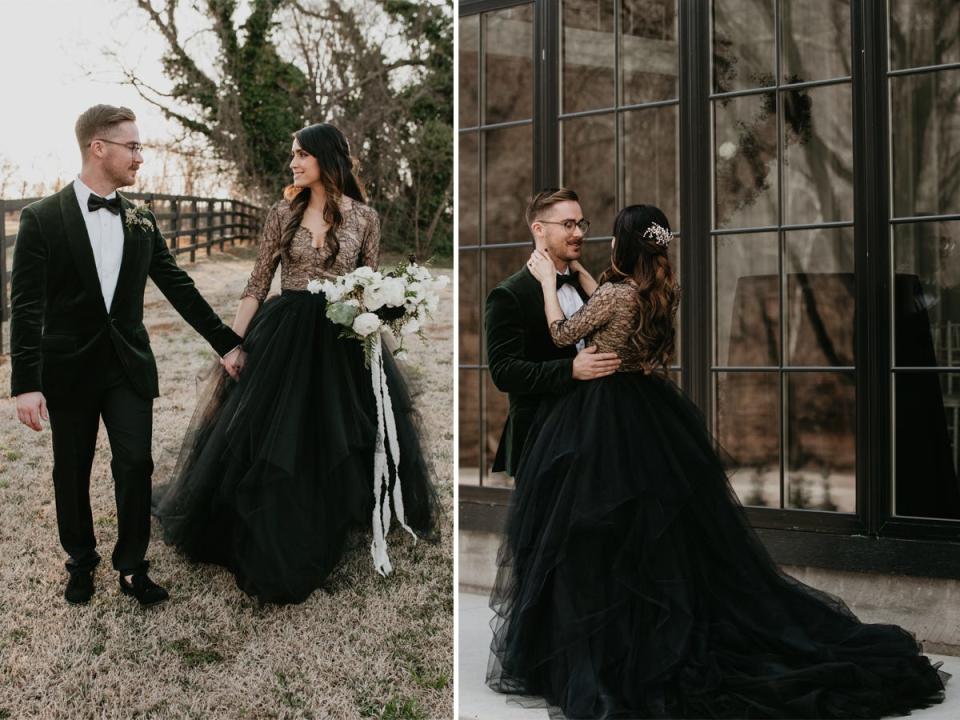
(128, 418)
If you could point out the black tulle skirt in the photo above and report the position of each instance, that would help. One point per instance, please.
(631, 586)
(277, 469)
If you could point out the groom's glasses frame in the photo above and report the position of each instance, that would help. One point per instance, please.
(569, 224)
(133, 147)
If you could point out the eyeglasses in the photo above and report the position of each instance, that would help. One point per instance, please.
(569, 224)
(133, 147)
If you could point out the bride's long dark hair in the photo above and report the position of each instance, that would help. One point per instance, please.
(338, 175)
(637, 255)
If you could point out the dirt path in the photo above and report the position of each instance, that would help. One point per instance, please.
(372, 647)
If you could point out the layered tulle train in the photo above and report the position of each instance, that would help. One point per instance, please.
(630, 584)
(277, 469)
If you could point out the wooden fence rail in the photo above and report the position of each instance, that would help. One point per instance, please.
(188, 224)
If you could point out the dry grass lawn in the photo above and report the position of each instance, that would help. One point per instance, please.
(371, 647)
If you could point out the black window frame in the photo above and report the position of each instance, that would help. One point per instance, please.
(872, 539)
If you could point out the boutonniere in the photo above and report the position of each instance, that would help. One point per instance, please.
(138, 215)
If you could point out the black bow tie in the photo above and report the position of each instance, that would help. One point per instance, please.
(95, 202)
(565, 279)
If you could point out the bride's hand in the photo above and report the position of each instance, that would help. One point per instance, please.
(542, 267)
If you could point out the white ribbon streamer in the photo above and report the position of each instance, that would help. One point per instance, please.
(386, 441)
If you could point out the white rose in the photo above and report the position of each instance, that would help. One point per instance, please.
(373, 296)
(333, 290)
(393, 291)
(420, 273)
(366, 323)
(364, 273)
(410, 327)
(315, 286)
(351, 301)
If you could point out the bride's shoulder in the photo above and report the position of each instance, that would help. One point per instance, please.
(361, 209)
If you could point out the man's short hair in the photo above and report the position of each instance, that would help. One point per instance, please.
(100, 120)
(545, 199)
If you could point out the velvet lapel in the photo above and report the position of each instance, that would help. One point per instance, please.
(75, 230)
(131, 239)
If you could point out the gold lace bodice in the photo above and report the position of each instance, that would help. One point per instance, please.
(608, 320)
(300, 262)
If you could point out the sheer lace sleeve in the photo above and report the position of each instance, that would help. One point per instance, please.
(370, 251)
(597, 312)
(268, 256)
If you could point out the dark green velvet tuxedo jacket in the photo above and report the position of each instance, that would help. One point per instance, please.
(59, 325)
(523, 360)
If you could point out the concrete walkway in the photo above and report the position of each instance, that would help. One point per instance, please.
(478, 702)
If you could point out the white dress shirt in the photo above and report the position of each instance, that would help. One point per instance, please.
(570, 302)
(106, 240)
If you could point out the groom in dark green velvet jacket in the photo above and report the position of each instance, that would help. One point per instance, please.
(80, 351)
(524, 362)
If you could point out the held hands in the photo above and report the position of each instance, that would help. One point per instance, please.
(31, 408)
(233, 362)
(590, 365)
(542, 268)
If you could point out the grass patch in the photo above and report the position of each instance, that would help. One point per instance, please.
(193, 656)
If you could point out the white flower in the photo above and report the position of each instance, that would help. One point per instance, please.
(364, 275)
(410, 327)
(333, 290)
(393, 291)
(373, 298)
(366, 323)
(419, 273)
(432, 302)
(352, 302)
(315, 286)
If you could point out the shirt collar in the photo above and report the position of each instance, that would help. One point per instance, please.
(84, 192)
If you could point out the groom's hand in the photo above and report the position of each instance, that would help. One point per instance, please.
(590, 365)
(31, 408)
(233, 362)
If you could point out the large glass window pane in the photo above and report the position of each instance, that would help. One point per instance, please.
(595, 256)
(820, 297)
(469, 190)
(508, 181)
(926, 302)
(508, 64)
(650, 159)
(747, 300)
(927, 439)
(924, 32)
(501, 263)
(468, 288)
(925, 142)
(745, 164)
(816, 40)
(468, 76)
(820, 463)
(747, 428)
(589, 167)
(743, 44)
(818, 155)
(648, 51)
(587, 48)
(497, 407)
(469, 425)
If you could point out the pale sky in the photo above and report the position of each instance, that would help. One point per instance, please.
(51, 53)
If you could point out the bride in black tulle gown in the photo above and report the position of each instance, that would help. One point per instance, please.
(278, 467)
(630, 584)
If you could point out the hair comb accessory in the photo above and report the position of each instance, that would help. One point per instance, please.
(658, 233)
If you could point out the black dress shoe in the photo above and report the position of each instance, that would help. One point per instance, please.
(145, 590)
(79, 587)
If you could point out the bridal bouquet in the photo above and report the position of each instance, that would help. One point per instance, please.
(366, 301)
